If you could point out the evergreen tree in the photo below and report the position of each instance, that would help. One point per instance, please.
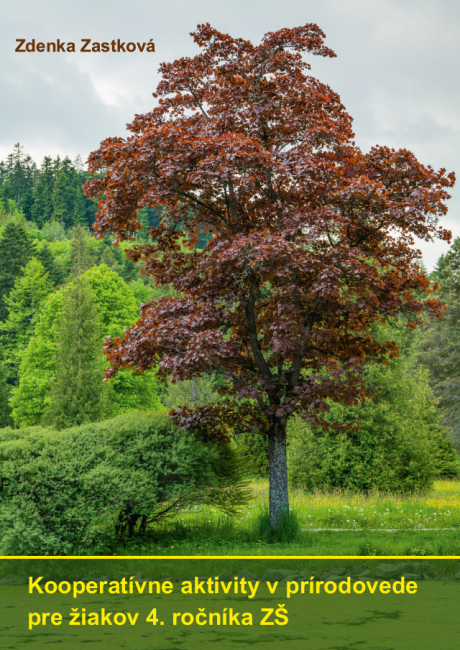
(6, 193)
(81, 256)
(130, 271)
(91, 209)
(63, 194)
(27, 205)
(84, 208)
(438, 343)
(16, 249)
(79, 208)
(5, 390)
(78, 394)
(22, 173)
(452, 258)
(23, 304)
(110, 260)
(10, 213)
(438, 272)
(15, 171)
(43, 204)
(3, 172)
(117, 308)
(45, 256)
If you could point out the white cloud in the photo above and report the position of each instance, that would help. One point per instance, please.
(396, 69)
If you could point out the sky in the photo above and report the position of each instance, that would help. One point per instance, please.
(396, 70)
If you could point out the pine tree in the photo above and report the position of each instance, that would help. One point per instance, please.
(16, 249)
(130, 271)
(6, 194)
(111, 261)
(5, 390)
(78, 394)
(3, 172)
(45, 256)
(438, 343)
(81, 257)
(23, 304)
(43, 204)
(27, 204)
(79, 208)
(21, 172)
(15, 170)
(63, 194)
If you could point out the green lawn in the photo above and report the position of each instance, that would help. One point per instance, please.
(361, 522)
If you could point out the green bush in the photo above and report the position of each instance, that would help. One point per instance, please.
(360, 461)
(446, 458)
(400, 446)
(254, 447)
(69, 492)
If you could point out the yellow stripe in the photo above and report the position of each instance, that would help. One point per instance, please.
(229, 557)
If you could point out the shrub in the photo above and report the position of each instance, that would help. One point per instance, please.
(400, 446)
(69, 492)
(363, 460)
(254, 447)
(446, 458)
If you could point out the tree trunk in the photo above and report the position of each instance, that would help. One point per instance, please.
(279, 495)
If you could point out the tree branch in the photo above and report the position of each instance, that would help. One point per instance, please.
(252, 332)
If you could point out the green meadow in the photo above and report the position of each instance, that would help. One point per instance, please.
(329, 524)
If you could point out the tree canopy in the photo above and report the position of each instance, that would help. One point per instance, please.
(312, 239)
(16, 249)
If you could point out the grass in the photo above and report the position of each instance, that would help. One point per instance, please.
(205, 531)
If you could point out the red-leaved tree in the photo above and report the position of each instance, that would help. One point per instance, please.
(311, 238)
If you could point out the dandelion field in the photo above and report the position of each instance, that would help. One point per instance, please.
(329, 524)
(438, 509)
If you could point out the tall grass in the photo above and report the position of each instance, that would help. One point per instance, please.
(206, 531)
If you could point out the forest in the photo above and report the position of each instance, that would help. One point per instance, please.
(62, 292)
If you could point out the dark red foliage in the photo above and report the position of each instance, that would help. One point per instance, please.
(312, 239)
